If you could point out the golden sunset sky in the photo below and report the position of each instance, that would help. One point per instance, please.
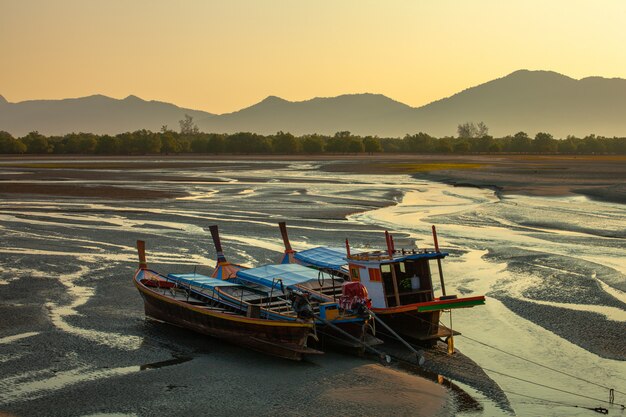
(220, 56)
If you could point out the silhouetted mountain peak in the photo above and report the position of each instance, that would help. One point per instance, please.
(132, 98)
(530, 74)
(524, 100)
(359, 98)
(93, 97)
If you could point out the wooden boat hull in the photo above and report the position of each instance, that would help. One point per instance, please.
(352, 325)
(420, 321)
(282, 339)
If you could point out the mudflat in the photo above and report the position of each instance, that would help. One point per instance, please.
(600, 177)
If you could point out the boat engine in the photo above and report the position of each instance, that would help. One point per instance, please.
(301, 305)
(354, 297)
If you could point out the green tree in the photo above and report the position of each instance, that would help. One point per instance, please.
(187, 126)
(444, 145)
(246, 142)
(420, 143)
(87, 144)
(354, 145)
(592, 145)
(338, 143)
(482, 144)
(462, 147)
(285, 143)
(217, 143)
(568, 145)
(467, 130)
(144, 142)
(313, 144)
(108, 145)
(545, 143)
(371, 145)
(36, 143)
(169, 143)
(200, 144)
(521, 142)
(481, 130)
(10, 145)
(392, 145)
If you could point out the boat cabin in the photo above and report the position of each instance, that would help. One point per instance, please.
(395, 280)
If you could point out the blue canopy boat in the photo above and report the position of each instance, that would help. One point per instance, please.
(286, 292)
(399, 283)
(169, 301)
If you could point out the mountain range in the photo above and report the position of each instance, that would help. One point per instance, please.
(529, 101)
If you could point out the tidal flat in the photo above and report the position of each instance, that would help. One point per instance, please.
(74, 339)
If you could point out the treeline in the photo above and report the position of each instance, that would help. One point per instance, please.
(167, 141)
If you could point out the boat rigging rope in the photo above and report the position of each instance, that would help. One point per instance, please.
(553, 388)
(611, 390)
(600, 410)
(381, 355)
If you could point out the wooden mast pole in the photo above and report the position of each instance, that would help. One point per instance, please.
(449, 339)
(396, 291)
(443, 287)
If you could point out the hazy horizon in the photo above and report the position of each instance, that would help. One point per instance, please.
(223, 56)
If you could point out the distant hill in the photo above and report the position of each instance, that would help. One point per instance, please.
(529, 101)
(95, 114)
(532, 101)
(359, 113)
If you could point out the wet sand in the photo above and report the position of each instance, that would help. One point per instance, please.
(74, 339)
(76, 328)
(597, 177)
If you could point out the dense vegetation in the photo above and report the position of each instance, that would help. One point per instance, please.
(471, 139)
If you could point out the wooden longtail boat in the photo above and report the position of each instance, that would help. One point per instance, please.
(286, 292)
(398, 282)
(167, 301)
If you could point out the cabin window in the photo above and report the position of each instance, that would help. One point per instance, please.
(354, 273)
(374, 275)
(385, 269)
(402, 267)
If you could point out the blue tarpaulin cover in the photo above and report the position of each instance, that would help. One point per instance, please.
(323, 257)
(201, 280)
(414, 256)
(267, 275)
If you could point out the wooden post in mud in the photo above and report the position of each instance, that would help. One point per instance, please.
(396, 291)
(283, 232)
(141, 250)
(443, 287)
(450, 339)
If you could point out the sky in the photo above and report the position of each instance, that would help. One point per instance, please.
(221, 56)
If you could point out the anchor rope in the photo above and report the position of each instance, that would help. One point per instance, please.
(553, 388)
(596, 409)
(542, 365)
(611, 390)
